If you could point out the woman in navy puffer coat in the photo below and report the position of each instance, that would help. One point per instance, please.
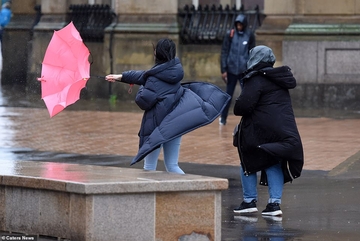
(171, 108)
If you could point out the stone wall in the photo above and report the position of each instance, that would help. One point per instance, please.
(318, 39)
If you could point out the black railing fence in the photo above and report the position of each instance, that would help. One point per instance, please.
(204, 25)
(91, 20)
(208, 25)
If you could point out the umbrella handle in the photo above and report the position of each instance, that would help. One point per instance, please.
(130, 88)
(97, 76)
(41, 79)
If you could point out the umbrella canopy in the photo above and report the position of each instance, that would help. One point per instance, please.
(65, 69)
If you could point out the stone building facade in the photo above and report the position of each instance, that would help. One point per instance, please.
(318, 39)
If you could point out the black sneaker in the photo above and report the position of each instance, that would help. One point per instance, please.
(247, 207)
(272, 209)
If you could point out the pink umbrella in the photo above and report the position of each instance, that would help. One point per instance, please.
(65, 69)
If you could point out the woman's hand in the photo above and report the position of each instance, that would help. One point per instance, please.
(113, 77)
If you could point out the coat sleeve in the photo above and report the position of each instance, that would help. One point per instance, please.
(134, 77)
(225, 52)
(249, 97)
(147, 95)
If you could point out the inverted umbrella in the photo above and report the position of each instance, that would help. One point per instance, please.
(65, 69)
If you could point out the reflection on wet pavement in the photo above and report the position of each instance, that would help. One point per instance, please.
(315, 207)
(16, 96)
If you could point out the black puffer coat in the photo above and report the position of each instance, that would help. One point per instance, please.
(268, 131)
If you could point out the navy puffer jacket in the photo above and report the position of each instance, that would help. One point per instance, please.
(160, 90)
(171, 108)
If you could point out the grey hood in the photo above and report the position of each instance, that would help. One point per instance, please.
(262, 54)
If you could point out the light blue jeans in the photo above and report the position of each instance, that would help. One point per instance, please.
(171, 157)
(275, 184)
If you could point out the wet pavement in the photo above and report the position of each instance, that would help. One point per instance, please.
(320, 205)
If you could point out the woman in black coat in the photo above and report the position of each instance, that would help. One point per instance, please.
(269, 140)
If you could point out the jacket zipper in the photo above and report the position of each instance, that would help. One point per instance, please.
(241, 156)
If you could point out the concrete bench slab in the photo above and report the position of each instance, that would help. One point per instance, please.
(86, 202)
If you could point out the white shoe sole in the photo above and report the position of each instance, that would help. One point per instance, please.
(248, 210)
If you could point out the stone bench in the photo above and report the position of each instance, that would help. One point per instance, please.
(86, 202)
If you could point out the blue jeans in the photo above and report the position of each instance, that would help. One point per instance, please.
(275, 181)
(171, 157)
(230, 89)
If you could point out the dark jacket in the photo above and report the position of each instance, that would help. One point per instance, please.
(171, 108)
(235, 49)
(268, 131)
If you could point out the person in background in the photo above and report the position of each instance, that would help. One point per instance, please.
(269, 140)
(5, 16)
(171, 109)
(234, 55)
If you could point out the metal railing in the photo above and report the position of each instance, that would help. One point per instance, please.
(208, 25)
(91, 20)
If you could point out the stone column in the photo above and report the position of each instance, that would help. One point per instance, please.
(140, 24)
(279, 15)
(53, 17)
(53, 14)
(15, 43)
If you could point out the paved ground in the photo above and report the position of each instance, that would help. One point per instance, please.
(327, 142)
(321, 205)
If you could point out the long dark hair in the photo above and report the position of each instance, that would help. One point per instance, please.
(165, 51)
